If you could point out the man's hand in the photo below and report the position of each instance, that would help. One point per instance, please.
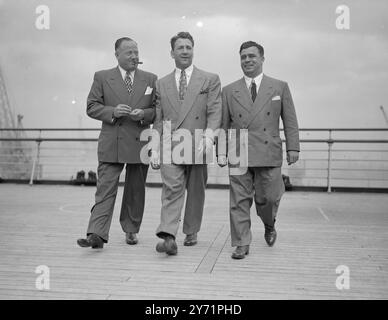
(208, 145)
(222, 161)
(137, 115)
(122, 110)
(292, 157)
(155, 160)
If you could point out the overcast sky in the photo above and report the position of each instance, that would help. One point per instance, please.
(338, 78)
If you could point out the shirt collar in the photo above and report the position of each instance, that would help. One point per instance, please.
(188, 71)
(257, 80)
(123, 73)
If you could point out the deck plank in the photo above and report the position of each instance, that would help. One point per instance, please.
(317, 232)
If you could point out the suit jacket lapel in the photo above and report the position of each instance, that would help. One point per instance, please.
(139, 88)
(193, 89)
(117, 84)
(172, 92)
(264, 94)
(242, 95)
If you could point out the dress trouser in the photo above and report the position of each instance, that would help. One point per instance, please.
(263, 184)
(132, 206)
(177, 178)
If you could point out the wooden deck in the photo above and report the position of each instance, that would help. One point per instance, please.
(317, 232)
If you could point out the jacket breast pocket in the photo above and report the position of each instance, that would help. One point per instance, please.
(204, 91)
(276, 107)
(145, 101)
(276, 104)
(201, 99)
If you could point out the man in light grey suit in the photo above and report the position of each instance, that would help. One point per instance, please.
(122, 99)
(188, 100)
(256, 103)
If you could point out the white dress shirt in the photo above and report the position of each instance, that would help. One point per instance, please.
(188, 71)
(258, 79)
(123, 73)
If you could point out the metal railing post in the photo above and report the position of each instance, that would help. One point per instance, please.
(330, 144)
(36, 161)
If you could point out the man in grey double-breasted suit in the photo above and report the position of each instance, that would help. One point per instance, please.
(256, 103)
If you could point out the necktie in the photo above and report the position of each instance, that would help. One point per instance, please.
(182, 85)
(128, 82)
(253, 90)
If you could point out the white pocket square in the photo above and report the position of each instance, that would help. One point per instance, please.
(276, 98)
(148, 91)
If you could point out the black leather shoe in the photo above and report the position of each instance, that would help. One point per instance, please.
(240, 252)
(190, 240)
(131, 238)
(168, 246)
(92, 240)
(270, 235)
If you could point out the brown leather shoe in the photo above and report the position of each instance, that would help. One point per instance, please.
(270, 235)
(190, 240)
(168, 246)
(93, 240)
(131, 238)
(240, 252)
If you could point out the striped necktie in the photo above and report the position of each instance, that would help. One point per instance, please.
(128, 82)
(182, 85)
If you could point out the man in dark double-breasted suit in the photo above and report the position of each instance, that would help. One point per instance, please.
(122, 99)
(256, 103)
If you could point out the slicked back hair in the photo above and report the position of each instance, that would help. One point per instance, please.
(181, 35)
(119, 41)
(249, 44)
